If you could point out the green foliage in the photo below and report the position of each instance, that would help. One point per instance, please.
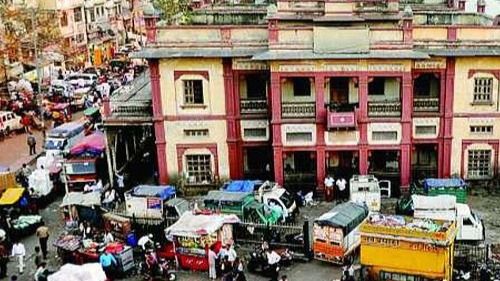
(173, 11)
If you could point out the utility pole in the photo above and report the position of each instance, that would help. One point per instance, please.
(37, 64)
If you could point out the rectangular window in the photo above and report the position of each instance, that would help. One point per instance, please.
(78, 14)
(64, 19)
(193, 92)
(196, 133)
(483, 90)
(254, 132)
(301, 87)
(92, 16)
(299, 137)
(376, 86)
(425, 130)
(479, 163)
(256, 86)
(483, 130)
(384, 136)
(199, 168)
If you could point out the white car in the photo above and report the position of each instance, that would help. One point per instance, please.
(9, 121)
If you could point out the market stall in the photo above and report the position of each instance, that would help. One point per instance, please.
(25, 225)
(193, 234)
(11, 197)
(67, 245)
(86, 207)
(119, 226)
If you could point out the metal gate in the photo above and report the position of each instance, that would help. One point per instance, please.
(295, 237)
(470, 258)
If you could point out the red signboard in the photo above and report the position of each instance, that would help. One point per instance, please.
(341, 120)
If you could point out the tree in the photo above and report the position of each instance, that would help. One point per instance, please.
(172, 10)
(18, 33)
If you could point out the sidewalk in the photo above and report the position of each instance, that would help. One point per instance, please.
(14, 151)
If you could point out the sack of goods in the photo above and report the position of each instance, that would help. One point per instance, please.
(40, 181)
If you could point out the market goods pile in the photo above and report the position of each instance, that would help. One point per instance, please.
(395, 221)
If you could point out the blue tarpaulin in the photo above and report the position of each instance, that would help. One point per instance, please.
(240, 186)
(163, 192)
(441, 183)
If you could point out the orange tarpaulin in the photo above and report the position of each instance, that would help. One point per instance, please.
(97, 57)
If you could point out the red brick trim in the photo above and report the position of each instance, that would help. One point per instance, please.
(179, 73)
(494, 72)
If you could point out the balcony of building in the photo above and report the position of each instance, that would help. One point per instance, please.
(298, 98)
(253, 94)
(384, 97)
(343, 102)
(426, 89)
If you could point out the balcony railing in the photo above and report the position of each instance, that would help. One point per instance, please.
(132, 110)
(253, 106)
(298, 109)
(384, 108)
(341, 116)
(426, 104)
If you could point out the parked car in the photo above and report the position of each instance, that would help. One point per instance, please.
(9, 122)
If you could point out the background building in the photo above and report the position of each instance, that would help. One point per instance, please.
(303, 89)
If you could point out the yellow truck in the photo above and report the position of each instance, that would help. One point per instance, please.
(397, 248)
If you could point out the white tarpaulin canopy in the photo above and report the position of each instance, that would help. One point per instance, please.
(192, 225)
(82, 199)
(442, 207)
(85, 272)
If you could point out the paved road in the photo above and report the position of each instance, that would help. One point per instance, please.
(14, 151)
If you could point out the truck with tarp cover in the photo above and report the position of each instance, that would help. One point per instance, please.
(404, 248)
(336, 234)
(242, 204)
(148, 201)
(432, 187)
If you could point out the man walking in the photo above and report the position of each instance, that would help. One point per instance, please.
(273, 260)
(31, 141)
(43, 236)
(329, 181)
(18, 252)
(107, 261)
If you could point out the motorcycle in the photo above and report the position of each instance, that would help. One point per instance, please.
(258, 261)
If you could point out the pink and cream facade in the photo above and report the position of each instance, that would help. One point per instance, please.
(327, 87)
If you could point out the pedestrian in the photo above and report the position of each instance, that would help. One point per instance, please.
(13, 278)
(120, 182)
(231, 254)
(42, 233)
(107, 261)
(4, 259)
(212, 260)
(108, 237)
(31, 141)
(284, 278)
(109, 199)
(238, 270)
(38, 257)
(18, 252)
(350, 273)
(41, 273)
(273, 260)
(341, 185)
(329, 181)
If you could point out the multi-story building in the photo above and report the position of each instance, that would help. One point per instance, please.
(318, 87)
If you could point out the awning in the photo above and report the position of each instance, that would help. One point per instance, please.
(191, 225)
(11, 196)
(82, 199)
(309, 54)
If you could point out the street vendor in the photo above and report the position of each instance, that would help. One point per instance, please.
(146, 241)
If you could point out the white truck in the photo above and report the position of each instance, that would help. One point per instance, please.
(365, 189)
(470, 227)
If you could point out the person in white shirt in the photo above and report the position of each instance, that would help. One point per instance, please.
(145, 240)
(329, 182)
(108, 237)
(109, 198)
(231, 254)
(341, 185)
(222, 253)
(18, 252)
(212, 257)
(273, 260)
